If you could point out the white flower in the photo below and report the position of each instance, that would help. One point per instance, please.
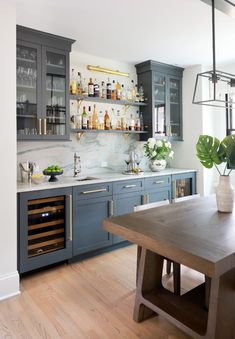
(168, 144)
(159, 143)
(154, 153)
(151, 142)
(171, 154)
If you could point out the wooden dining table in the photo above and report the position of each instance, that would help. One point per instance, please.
(195, 234)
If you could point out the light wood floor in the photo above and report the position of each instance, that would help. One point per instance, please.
(89, 299)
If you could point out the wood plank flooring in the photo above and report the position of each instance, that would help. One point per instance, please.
(91, 299)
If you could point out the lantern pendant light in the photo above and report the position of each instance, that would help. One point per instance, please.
(215, 88)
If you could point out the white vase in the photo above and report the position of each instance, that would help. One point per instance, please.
(157, 165)
(224, 194)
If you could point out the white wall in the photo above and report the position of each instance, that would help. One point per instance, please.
(9, 279)
(185, 152)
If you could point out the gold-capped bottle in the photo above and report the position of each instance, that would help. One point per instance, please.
(106, 121)
(73, 83)
(94, 118)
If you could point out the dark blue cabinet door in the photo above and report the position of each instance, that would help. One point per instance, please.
(123, 204)
(88, 234)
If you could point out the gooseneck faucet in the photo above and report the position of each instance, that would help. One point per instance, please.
(76, 164)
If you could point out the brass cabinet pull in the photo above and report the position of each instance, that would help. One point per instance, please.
(147, 198)
(71, 217)
(40, 126)
(45, 126)
(129, 186)
(159, 182)
(111, 212)
(95, 191)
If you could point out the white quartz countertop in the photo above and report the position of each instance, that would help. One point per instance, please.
(65, 181)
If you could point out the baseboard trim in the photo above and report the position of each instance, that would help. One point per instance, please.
(9, 285)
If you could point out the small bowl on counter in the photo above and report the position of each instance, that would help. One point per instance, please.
(38, 178)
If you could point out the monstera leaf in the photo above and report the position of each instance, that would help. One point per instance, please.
(228, 148)
(209, 151)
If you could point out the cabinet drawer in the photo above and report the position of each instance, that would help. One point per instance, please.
(92, 191)
(128, 186)
(157, 182)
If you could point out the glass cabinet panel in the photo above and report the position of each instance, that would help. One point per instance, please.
(160, 120)
(55, 94)
(183, 187)
(46, 225)
(175, 109)
(160, 89)
(27, 83)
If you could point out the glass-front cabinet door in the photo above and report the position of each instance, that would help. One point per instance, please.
(159, 105)
(56, 85)
(174, 107)
(28, 76)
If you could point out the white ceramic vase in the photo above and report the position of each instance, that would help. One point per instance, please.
(224, 194)
(157, 165)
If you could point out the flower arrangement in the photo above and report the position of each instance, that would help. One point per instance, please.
(158, 149)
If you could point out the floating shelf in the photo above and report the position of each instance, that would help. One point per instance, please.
(106, 131)
(106, 101)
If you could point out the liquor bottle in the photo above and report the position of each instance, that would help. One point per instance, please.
(132, 123)
(114, 92)
(118, 91)
(96, 90)
(73, 85)
(137, 95)
(141, 122)
(103, 90)
(123, 93)
(101, 120)
(133, 92)
(90, 88)
(109, 90)
(94, 118)
(137, 122)
(89, 121)
(118, 125)
(72, 116)
(141, 93)
(84, 118)
(84, 88)
(79, 84)
(106, 121)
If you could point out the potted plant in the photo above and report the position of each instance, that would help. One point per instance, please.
(211, 152)
(158, 152)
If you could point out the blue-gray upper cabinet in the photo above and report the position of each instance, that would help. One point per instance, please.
(91, 204)
(157, 189)
(42, 85)
(183, 184)
(44, 228)
(163, 89)
(126, 195)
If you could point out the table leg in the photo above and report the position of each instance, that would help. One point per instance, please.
(149, 278)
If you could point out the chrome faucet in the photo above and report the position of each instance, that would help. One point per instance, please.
(76, 164)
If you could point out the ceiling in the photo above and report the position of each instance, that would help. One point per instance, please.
(175, 32)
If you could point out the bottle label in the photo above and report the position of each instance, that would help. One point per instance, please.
(91, 90)
(84, 122)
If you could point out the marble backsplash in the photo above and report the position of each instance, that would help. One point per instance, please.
(93, 148)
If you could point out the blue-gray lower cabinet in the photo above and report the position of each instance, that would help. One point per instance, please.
(44, 228)
(89, 209)
(157, 189)
(125, 203)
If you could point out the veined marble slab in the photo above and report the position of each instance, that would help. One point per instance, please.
(69, 181)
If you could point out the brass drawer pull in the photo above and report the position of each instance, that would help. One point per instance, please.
(45, 126)
(159, 182)
(95, 191)
(111, 208)
(40, 126)
(129, 186)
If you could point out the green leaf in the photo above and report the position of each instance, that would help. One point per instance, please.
(228, 147)
(209, 151)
